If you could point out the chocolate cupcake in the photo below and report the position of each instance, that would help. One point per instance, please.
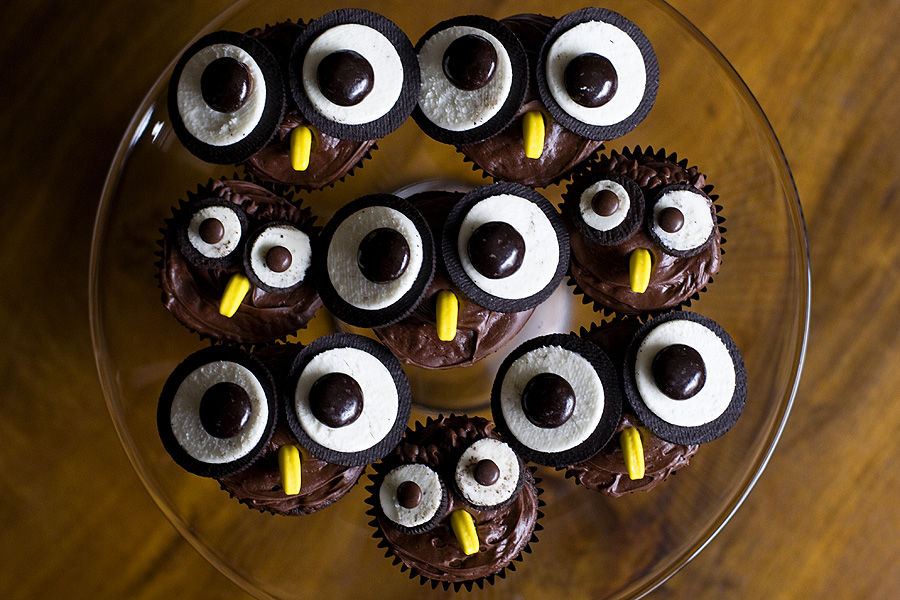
(234, 263)
(453, 504)
(490, 272)
(534, 96)
(645, 232)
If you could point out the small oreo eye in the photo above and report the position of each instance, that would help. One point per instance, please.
(488, 475)
(211, 233)
(278, 257)
(413, 498)
(606, 210)
(682, 220)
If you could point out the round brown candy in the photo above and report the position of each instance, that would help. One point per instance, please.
(278, 259)
(605, 203)
(548, 400)
(225, 84)
(225, 409)
(470, 62)
(409, 494)
(383, 255)
(336, 399)
(496, 249)
(345, 77)
(679, 371)
(671, 219)
(591, 80)
(486, 472)
(211, 231)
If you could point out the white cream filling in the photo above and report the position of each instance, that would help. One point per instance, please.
(599, 222)
(230, 223)
(502, 456)
(296, 242)
(698, 220)
(343, 266)
(380, 400)
(203, 122)
(382, 56)
(589, 398)
(617, 46)
(715, 395)
(541, 245)
(185, 413)
(427, 480)
(450, 107)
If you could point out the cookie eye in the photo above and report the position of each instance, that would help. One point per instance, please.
(685, 378)
(597, 74)
(488, 475)
(505, 247)
(474, 74)
(226, 97)
(354, 75)
(413, 498)
(608, 210)
(556, 400)
(217, 411)
(278, 256)
(211, 232)
(682, 220)
(349, 401)
(377, 260)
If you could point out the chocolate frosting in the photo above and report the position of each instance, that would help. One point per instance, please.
(502, 533)
(480, 331)
(503, 155)
(602, 271)
(192, 293)
(330, 158)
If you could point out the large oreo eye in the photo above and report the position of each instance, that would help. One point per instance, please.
(210, 233)
(682, 220)
(354, 75)
(606, 210)
(277, 257)
(488, 475)
(556, 400)
(217, 411)
(685, 378)
(474, 74)
(226, 97)
(413, 498)
(376, 261)
(505, 247)
(349, 400)
(597, 74)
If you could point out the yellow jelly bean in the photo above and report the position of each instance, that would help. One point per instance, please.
(633, 452)
(447, 315)
(463, 525)
(289, 466)
(533, 133)
(301, 147)
(238, 287)
(639, 265)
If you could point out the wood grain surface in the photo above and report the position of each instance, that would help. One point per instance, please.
(75, 521)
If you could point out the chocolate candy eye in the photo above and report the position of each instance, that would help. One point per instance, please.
(597, 74)
(354, 75)
(607, 210)
(226, 97)
(682, 220)
(488, 474)
(383, 255)
(211, 232)
(409, 494)
(336, 399)
(496, 250)
(548, 400)
(413, 498)
(474, 75)
(678, 371)
(605, 203)
(278, 256)
(225, 409)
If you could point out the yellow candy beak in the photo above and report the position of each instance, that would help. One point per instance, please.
(289, 467)
(639, 264)
(463, 525)
(633, 452)
(301, 146)
(447, 315)
(238, 287)
(533, 133)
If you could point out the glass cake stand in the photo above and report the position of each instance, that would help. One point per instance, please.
(591, 545)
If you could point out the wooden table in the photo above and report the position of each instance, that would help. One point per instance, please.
(822, 522)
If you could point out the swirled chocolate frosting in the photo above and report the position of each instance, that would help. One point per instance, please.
(192, 293)
(502, 533)
(503, 155)
(480, 331)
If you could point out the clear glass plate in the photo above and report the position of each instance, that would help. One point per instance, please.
(591, 545)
